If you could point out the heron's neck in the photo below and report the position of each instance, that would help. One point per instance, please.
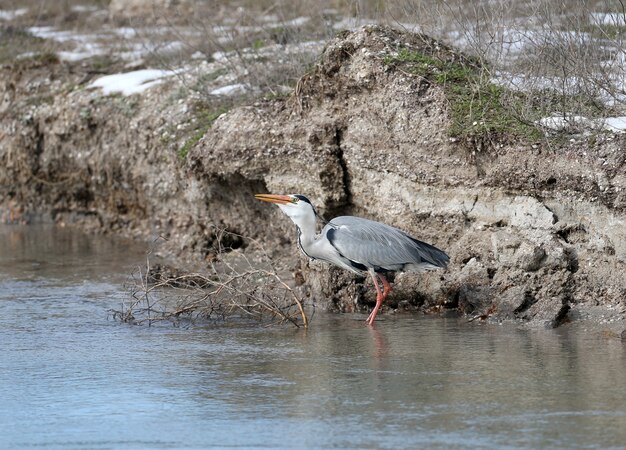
(307, 232)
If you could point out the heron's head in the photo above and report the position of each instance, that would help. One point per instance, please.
(296, 206)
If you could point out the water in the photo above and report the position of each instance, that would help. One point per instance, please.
(71, 378)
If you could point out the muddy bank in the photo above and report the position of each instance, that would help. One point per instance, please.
(535, 232)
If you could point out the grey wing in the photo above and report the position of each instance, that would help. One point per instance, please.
(380, 246)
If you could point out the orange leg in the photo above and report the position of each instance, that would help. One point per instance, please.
(381, 294)
(386, 285)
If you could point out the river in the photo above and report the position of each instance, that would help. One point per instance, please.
(70, 377)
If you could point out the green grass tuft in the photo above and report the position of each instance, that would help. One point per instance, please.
(480, 110)
(205, 120)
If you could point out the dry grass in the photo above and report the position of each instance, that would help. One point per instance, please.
(559, 56)
(571, 51)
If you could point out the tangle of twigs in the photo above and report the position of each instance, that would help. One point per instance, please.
(247, 291)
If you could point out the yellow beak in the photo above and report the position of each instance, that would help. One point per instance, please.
(280, 199)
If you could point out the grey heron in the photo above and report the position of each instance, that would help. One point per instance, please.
(359, 245)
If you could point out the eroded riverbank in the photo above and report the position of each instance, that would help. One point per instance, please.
(535, 231)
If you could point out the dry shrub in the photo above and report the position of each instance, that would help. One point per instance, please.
(235, 289)
(259, 44)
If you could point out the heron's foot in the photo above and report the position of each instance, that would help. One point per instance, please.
(370, 319)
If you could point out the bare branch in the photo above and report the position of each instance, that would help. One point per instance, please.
(253, 292)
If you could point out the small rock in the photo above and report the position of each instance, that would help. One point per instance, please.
(514, 301)
(549, 312)
(528, 213)
(504, 246)
(529, 256)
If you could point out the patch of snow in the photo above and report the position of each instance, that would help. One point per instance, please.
(225, 40)
(89, 45)
(615, 124)
(614, 99)
(613, 94)
(510, 42)
(230, 89)
(617, 19)
(132, 32)
(80, 55)
(84, 8)
(352, 23)
(221, 29)
(25, 55)
(306, 45)
(525, 83)
(171, 46)
(84, 51)
(12, 14)
(137, 50)
(565, 121)
(55, 35)
(74, 56)
(268, 18)
(131, 82)
(516, 41)
(297, 22)
(125, 32)
(234, 30)
(458, 39)
(219, 56)
(85, 45)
